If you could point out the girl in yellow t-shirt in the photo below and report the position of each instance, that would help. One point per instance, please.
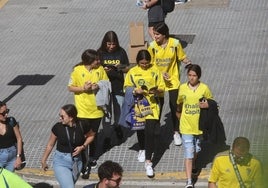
(192, 97)
(84, 84)
(147, 81)
(168, 54)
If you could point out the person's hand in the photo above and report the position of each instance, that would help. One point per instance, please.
(87, 86)
(44, 166)
(94, 87)
(17, 162)
(139, 91)
(153, 90)
(78, 150)
(166, 76)
(107, 69)
(203, 103)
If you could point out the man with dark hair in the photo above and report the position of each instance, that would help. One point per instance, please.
(236, 168)
(110, 175)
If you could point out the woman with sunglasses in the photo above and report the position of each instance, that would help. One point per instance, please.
(71, 141)
(10, 140)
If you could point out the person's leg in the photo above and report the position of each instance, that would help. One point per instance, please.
(141, 142)
(173, 95)
(93, 154)
(8, 158)
(62, 166)
(117, 104)
(149, 140)
(155, 15)
(12, 156)
(189, 152)
(91, 125)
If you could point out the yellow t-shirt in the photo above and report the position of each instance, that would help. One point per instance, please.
(189, 121)
(152, 77)
(165, 60)
(86, 102)
(223, 172)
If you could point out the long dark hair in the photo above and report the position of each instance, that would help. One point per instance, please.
(88, 57)
(162, 28)
(143, 54)
(110, 36)
(70, 110)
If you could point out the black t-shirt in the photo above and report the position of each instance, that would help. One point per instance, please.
(116, 76)
(77, 137)
(9, 138)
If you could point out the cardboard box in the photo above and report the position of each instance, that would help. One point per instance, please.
(133, 51)
(136, 33)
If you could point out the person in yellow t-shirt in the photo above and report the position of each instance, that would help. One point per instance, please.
(83, 83)
(192, 97)
(147, 81)
(223, 175)
(168, 54)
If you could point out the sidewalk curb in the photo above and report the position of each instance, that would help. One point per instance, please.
(34, 175)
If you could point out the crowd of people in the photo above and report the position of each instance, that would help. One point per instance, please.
(104, 85)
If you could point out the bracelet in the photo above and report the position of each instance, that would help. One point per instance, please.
(84, 146)
(18, 155)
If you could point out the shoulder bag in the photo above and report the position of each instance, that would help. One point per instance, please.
(75, 169)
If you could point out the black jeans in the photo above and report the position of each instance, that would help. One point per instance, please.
(152, 135)
(173, 96)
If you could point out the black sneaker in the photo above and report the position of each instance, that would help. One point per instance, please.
(93, 164)
(189, 185)
(86, 173)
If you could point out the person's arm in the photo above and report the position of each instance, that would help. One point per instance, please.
(150, 3)
(212, 185)
(51, 142)
(19, 146)
(88, 86)
(89, 138)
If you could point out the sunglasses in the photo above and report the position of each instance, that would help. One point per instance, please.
(5, 112)
(117, 181)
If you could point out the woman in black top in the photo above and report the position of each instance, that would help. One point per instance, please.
(71, 139)
(115, 61)
(10, 140)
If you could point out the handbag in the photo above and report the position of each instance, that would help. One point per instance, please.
(75, 169)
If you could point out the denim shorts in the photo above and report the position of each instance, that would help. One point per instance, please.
(8, 157)
(191, 145)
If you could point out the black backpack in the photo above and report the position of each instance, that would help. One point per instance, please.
(167, 5)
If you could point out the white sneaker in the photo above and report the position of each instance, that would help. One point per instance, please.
(177, 139)
(141, 156)
(149, 169)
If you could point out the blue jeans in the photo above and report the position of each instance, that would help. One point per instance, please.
(62, 166)
(8, 157)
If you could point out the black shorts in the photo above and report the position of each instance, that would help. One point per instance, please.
(90, 124)
(155, 15)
